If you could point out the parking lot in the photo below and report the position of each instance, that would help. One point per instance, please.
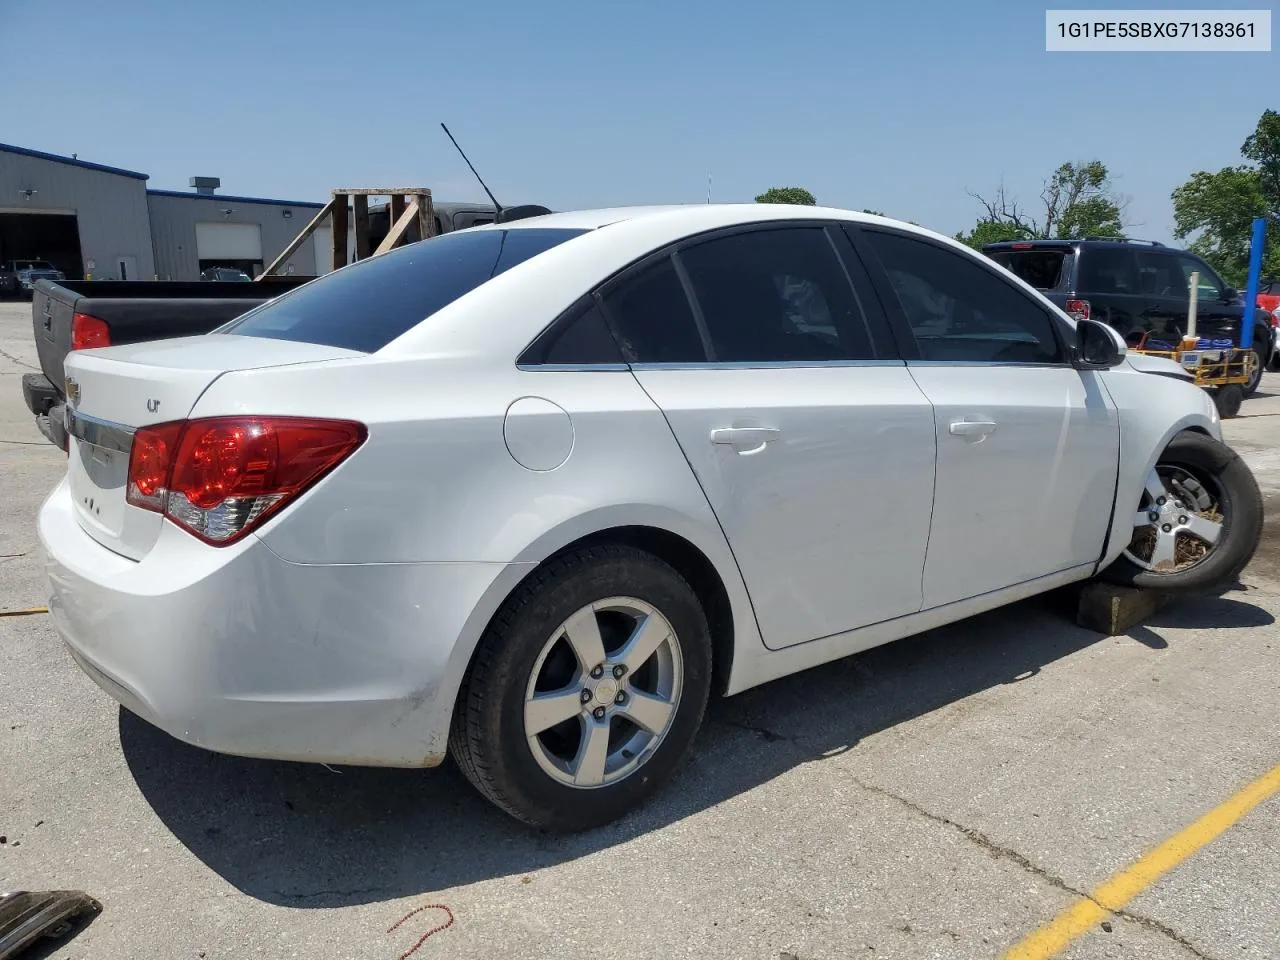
(944, 796)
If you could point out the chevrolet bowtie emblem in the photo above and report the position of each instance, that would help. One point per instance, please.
(72, 391)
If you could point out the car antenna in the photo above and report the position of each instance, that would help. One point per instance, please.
(496, 205)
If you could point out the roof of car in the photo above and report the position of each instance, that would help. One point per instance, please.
(697, 216)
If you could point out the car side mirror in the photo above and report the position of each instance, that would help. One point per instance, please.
(1098, 346)
(1229, 294)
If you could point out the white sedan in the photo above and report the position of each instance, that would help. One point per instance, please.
(532, 492)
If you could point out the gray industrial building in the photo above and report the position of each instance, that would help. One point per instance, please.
(102, 222)
(84, 218)
(193, 231)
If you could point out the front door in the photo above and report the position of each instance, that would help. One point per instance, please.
(1028, 446)
(810, 439)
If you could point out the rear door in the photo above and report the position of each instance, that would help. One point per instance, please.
(811, 441)
(1027, 446)
(1161, 282)
(1107, 277)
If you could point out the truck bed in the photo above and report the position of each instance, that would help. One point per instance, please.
(133, 311)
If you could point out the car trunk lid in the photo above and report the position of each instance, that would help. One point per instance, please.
(114, 391)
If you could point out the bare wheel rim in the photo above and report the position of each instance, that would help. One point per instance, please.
(1180, 521)
(603, 693)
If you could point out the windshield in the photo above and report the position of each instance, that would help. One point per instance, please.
(368, 304)
(1042, 268)
(33, 265)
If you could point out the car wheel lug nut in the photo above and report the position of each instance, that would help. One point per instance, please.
(586, 696)
(598, 713)
(620, 698)
(1160, 501)
(1182, 520)
(618, 671)
(597, 672)
(1153, 516)
(1167, 527)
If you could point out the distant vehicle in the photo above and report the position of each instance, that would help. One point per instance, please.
(531, 491)
(1137, 287)
(20, 276)
(1269, 296)
(226, 275)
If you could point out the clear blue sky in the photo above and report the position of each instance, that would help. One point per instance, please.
(899, 106)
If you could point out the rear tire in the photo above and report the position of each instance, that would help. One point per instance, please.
(588, 762)
(1228, 400)
(1259, 365)
(1207, 528)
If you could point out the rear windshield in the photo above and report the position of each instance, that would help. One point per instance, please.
(368, 304)
(1044, 269)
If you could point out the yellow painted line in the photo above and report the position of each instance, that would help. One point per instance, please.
(1115, 893)
(23, 613)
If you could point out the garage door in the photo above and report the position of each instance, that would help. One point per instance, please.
(229, 241)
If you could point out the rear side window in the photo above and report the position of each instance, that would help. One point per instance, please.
(1159, 276)
(1044, 269)
(653, 319)
(368, 304)
(1108, 270)
(581, 338)
(776, 296)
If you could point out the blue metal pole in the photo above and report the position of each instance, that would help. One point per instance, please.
(1255, 275)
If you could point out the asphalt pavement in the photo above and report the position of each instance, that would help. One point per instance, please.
(939, 797)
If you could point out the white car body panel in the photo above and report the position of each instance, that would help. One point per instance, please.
(852, 465)
(1032, 497)
(340, 630)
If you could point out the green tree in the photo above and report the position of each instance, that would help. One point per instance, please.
(991, 231)
(1217, 210)
(787, 195)
(1077, 200)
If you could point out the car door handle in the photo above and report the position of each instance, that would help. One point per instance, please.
(745, 436)
(979, 430)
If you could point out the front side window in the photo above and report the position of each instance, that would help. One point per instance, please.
(372, 302)
(959, 311)
(1209, 286)
(777, 295)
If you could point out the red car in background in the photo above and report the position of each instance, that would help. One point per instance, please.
(1269, 296)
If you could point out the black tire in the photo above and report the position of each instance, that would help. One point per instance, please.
(1259, 365)
(1242, 519)
(487, 738)
(1228, 400)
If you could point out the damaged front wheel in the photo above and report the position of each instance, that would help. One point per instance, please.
(1198, 520)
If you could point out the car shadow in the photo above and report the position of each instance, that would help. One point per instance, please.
(303, 835)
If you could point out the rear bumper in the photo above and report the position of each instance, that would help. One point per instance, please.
(46, 405)
(38, 393)
(238, 651)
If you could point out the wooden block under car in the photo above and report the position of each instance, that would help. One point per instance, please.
(1114, 610)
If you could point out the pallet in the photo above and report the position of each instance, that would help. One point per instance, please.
(407, 205)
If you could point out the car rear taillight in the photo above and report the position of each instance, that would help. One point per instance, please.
(88, 332)
(1078, 309)
(1023, 246)
(219, 478)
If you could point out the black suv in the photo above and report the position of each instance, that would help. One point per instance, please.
(1138, 287)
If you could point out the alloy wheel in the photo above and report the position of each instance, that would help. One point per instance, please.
(1179, 522)
(603, 692)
